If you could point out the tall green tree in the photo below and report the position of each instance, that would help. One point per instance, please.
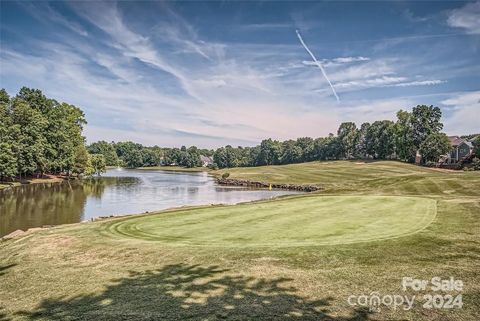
(425, 121)
(405, 147)
(30, 137)
(8, 162)
(98, 163)
(348, 136)
(270, 152)
(363, 142)
(381, 140)
(434, 146)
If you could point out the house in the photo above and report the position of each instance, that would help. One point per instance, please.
(206, 160)
(462, 149)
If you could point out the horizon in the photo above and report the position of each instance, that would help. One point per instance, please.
(166, 74)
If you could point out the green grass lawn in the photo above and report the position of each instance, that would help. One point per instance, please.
(294, 258)
(299, 221)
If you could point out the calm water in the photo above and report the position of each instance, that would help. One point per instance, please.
(116, 192)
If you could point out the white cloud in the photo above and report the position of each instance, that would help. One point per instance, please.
(337, 61)
(418, 83)
(466, 17)
(464, 108)
(130, 84)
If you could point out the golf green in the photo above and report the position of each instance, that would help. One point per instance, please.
(296, 221)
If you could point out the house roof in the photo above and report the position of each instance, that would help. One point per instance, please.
(455, 140)
(206, 159)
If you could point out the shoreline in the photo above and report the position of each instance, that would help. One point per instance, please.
(247, 183)
(19, 233)
(49, 179)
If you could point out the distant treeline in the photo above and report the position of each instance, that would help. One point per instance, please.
(41, 135)
(130, 154)
(419, 130)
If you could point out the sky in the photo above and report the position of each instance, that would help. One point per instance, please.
(216, 73)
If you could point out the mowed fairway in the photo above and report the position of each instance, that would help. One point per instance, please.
(297, 221)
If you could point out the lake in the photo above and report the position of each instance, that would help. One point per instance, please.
(117, 192)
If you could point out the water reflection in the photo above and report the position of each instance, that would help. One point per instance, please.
(118, 192)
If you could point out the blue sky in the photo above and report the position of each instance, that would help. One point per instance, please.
(216, 73)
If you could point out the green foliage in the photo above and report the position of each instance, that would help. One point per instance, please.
(8, 164)
(82, 164)
(476, 164)
(425, 120)
(105, 149)
(476, 146)
(42, 134)
(225, 175)
(434, 146)
(404, 137)
(98, 163)
(348, 137)
(380, 139)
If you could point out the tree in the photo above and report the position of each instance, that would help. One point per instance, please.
(362, 141)
(348, 137)
(220, 157)
(476, 146)
(434, 146)
(292, 152)
(107, 150)
(98, 163)
(82, 164)
(404, 137)
(8, 162)
(130, 153)
(29, 136)
(425, 120)
(270, 152)
(64, 136)
(193, 158)
(380, 139)
(307, 147)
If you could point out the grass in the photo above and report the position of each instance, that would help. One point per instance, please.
(295, 258)
(300, 221)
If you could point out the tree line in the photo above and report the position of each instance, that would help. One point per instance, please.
(418, 130)
(41, 135)
(130, 154)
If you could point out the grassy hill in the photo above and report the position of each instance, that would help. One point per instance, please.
(293, 258)
(382, 177)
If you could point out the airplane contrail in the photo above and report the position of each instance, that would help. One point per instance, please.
(318, 64)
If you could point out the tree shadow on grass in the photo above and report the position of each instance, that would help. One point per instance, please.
(190, 292)
(4, 268)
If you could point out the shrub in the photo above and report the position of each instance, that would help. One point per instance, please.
(225, 175)
(476, 164)
(430, 164)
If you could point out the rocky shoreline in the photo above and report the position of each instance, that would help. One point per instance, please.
(246, 183)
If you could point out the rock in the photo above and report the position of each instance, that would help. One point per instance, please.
(34, 229)
(14, 234)
(240, 182)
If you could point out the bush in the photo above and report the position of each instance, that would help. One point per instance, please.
(476, 164)
(430, 164)
(225, 175)
(213, 166)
